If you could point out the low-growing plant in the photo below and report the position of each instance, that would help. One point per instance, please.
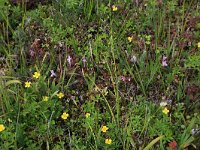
(99, 75)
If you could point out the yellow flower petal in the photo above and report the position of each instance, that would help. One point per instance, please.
(104, 129)
(108, 141)
(130, 38)
(114, 8)
(2, 127)
(36, 75)
(198, 44)
(45, 98)
(27, 84)
(87, 115)
(64, 116)
(60, 95)
(165, 111)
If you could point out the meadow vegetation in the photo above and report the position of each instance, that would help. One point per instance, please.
(100, 75)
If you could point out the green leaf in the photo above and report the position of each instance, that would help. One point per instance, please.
(187, 142)
(153, 142)
(12, 82)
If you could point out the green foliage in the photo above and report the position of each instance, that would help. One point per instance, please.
(133, 70)
(69, 4)
(193, 61)
(55, 31)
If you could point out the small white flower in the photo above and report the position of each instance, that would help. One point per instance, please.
(133, 59)
(163, 104)
(53, 74)
(60, 44)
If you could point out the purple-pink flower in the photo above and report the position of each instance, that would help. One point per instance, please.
(164, 61)
(69, 59)
(53, 74)
(84, 61)
(123, 78)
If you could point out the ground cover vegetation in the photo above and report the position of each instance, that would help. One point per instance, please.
(100, 74)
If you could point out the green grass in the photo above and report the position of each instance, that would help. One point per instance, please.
(117, 65)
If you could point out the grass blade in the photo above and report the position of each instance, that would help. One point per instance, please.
(153, 142)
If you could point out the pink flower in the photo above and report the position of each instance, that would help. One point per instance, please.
(69, 59)
(164, 61)
(53, 74)
(84, 61)
(123, 78)
(31, 52)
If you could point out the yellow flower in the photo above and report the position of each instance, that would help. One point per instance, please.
(165, 111)
(27, 84)
(2, 127)
(198, 45)
(108, 141)
(64, 115)
(36, 75)
(87, 115)
(45, 98)
(130, 38)
(114, 8)
(104, 129)
(60, 95)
